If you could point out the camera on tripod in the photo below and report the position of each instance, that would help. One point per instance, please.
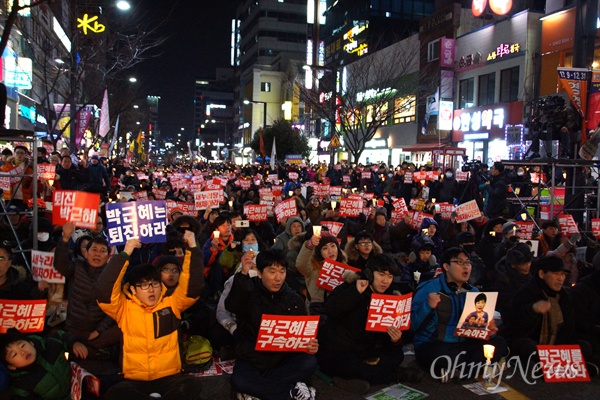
(473, 166)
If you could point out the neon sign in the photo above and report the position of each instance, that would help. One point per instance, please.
(353, 46)
(503, 50)
(473, 121)
(90, 23)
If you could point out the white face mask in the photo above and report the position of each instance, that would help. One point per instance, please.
(449, 175)
(520, 173)
(43, 236)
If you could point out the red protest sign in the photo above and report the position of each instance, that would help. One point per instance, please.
(25, 315)
(244, 183)
(256, 212)
(42, 267)
(350, 207)
(419, 176)
(159, 194)
(596, 227)
(389, 310)
(462, 176)
(293, 176)
(400, 206)
(208, 198)
(365, 175)
(331, 272)
(467, 211)
(286, 209)
(397, 216)
(184, 208)
(526, 232)
(82, 379)
(433, 175)
(563, 363)
(73, 206)
(321, 190)
(418, 218)
(346, 179)
(334, 227)
(446, 210)
(143, 195)
(46, 171)
(335, 191)
(567, 224)
(286, 332)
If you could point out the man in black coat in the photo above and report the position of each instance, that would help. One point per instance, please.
(497, 190)
(264, 374)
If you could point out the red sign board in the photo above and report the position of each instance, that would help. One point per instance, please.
(389, 310)
(25, 315)
(286, 209)
(256, 212)
(330, 275)
(567, 224)
(73, 206)
(563, 363)
(286, 332)
(350, 207)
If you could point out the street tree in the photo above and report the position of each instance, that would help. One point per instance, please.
(97, 62)
(367, 94)
(288, 140)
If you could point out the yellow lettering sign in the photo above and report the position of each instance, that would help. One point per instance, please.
(90, 23)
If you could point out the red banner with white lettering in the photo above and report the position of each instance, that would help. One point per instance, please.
(286, 332)
(256, 212)
(334, 227)
(25, 315)
(330, 275)
(596, 227)
(143, 195)
(159, 194)
(575, 83)
(526, 232)
(81, 379)
(80, 208)
(446, 210)
(563, 363)
(350, 207)
(567, 225)
(286, 209)
(388, 310)
(46, 171)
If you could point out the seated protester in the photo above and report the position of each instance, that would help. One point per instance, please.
(15, 283)
(348, 352)
(380, 228)
(44, 236)
(293, 226)
(491, 237)
(37, 366)
(436, 308)
(172, 247)
(246, 240)
(511, 275)
(542, 313)
(401, 235)
(566, 252)
(149, 320)
(361, 249)
(310, 260)
(267, 375)
(98, 331)
(422, 264)
(212, 249)
(351, 225)
(265, 231)
(314, 209)
(466, 240)
(206, 222)
(429, 227)
(509, 239)
(586, 295)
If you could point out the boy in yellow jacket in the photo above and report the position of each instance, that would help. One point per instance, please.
(149, 321)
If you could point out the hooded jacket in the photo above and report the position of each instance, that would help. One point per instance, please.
(150, 334)
(354, 257)
(427, 268)
(437, 240)
(281, 242)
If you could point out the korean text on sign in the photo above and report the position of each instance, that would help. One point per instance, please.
(208, 198)
(596, 227)
(286, 332)
(25, 315)
(563, 363)
(567, 224)
(146, 220)
(467, 211)
(256, 212)
(389, 310)
(42, 267)
(350, 207)
(80, 208)
(334, 227)
(330, 275)
(286, 209)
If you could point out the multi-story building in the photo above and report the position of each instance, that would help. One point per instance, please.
(213, 114)
(267, 36)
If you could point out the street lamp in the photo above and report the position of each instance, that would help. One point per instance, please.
(264, 103)
(82, 24)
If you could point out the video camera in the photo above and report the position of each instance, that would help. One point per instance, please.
(471, 166)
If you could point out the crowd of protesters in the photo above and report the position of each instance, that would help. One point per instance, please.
(217, 285)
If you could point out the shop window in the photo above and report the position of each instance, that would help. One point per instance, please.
(509, 85)
(486, 92)
(265, 86)
(405, 109)
(433, 50)
(466, 91)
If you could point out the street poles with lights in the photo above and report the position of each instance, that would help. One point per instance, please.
(82, 24)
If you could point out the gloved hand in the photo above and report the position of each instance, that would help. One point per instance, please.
(575, 238)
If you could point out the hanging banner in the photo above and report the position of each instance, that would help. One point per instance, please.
(575, 82)
(593, 114)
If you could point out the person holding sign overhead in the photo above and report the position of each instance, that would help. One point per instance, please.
(268, 374)
(355, 357)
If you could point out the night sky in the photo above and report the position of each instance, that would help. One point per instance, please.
(199, 41)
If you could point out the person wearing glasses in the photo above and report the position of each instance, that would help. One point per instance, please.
(360, 249)
(149, 319)
(436, 309)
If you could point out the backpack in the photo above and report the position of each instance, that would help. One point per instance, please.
(197, 354)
